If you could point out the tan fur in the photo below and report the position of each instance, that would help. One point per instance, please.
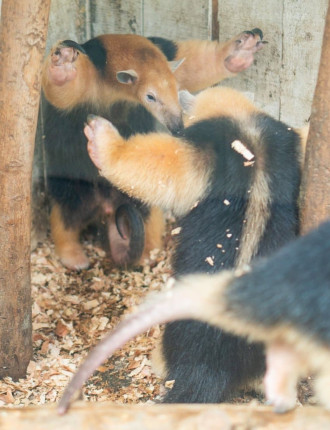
(204, 63)
(303, 133)
(256, 217)
(126, 50)
(258, 208)
(180, 173)
(84, 88)
(192, 75)
(154, 229)
(154, 74)
(322, 382)
(158, 362)
(284, 368)
(66, 241)
(220, 101)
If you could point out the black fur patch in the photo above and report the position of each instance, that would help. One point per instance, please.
(168, 47)
(97, 53)
(213, 229)
(291, 287)
(207, 363)
(72, 179)
(73, 44)
(282, 146)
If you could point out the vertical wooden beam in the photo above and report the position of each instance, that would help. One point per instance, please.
(315, 191)
(215, 20)
(22, 42)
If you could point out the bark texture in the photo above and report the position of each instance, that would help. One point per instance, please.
(315, 191)
(22, 42)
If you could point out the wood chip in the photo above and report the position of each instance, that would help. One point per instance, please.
(239, 147)
(210, 261)
(73, 310)
(248, 163)
(169, 384)
(8, 397)
(61, 329)
(91, 304)
(176, 231)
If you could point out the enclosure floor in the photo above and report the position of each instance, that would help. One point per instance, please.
(72, 311)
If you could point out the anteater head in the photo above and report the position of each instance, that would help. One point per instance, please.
(151, 82)
(158, 93)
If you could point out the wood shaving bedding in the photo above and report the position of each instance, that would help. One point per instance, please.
(73, 310)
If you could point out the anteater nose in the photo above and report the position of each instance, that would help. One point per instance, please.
(176, 126)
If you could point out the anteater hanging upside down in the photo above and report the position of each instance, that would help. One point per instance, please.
(128, 79)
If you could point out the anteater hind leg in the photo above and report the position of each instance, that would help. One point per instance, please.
(66, 240)
(154, 229)
(223, 59)
(283, 370)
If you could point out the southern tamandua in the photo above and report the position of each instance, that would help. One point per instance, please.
(125, 78)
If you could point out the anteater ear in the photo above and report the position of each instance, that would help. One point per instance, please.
(127, 76)
(187, 101)
(175, 64)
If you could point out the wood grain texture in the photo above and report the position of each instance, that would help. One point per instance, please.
(22, 43)
(121, 16)
(177, 20)
(315, 197)
(101, 416)
(283, 78)
(303, 25)
(261, 81)
(68, 20)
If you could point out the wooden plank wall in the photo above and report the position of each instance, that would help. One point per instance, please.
(82, 19)
(282, 80)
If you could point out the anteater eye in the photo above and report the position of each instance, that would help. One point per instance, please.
(150, 97)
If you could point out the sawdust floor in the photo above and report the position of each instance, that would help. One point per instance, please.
(72, 311)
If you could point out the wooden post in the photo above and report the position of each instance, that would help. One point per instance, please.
(215, 20)
(22, 42)
(315, 190)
